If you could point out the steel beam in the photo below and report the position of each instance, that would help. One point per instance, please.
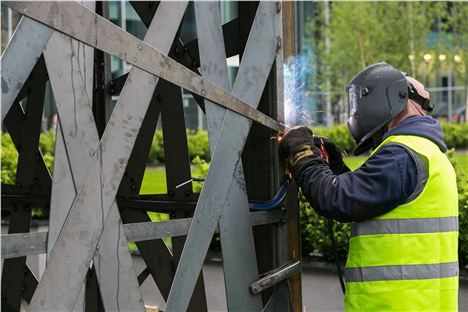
(26, 244)
(100, 33)
(76, 243)
(20, 56)
(253, 73)
(236, 232)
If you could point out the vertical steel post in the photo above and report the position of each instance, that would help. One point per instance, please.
(292, 202)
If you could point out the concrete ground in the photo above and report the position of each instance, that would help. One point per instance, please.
(320, 290)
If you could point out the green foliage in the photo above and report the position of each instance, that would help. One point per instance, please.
(462, 184)
(198, 144)
(340, 135)
(389, 31)
(315, 235)
(9, 160)
(201, 167)
(455, 135)
(156, 153)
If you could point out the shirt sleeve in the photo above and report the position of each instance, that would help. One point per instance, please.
(384, 181)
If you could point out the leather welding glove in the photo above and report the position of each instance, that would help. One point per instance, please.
(298, 149)
(335, 155)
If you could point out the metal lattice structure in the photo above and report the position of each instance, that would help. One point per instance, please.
(100, 157)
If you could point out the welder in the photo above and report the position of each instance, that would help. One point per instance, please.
(401, 203)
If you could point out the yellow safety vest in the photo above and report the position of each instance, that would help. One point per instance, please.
(407, 259)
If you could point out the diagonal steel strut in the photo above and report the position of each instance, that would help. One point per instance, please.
(79, 22)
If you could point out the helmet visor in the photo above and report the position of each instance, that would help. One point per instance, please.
(353, 96)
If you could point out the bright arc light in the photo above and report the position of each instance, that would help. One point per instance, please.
(427, 57)
(457, 58)
(442, 57)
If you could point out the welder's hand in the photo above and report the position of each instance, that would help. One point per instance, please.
(298, 149)
(335, 155)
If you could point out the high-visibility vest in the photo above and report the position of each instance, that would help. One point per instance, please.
(407, 259)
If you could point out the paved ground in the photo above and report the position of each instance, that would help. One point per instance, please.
(320, 290)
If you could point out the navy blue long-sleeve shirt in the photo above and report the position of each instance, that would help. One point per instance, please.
(392, 176)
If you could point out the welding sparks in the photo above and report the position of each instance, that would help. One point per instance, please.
(298, 102)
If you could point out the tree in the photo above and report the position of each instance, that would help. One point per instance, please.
(400, 33)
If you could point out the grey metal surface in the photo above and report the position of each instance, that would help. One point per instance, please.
(236, 231)
(79, 136)
(103, 35)
(25, 244)
(20, 56)
(76, 244)
(280, 300)
(253, 73)
(273, 278)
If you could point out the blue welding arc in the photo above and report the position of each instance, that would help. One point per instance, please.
(272, 203)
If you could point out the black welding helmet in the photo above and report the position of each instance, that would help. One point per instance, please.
(375, 95)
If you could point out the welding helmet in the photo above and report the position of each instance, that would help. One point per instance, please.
(375, 95)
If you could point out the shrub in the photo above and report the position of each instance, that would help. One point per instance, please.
(198, 144)
(156, 153)
(340, 135)
(315, 240)
(462, 184)
(9, 160)
(456, 135)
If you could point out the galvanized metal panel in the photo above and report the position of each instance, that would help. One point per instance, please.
(76, 244)
(20, 56)
(103, 35)
(253, 72)
(236, 231)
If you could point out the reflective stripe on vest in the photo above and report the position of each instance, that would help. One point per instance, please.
(401, 272)
(405, 226)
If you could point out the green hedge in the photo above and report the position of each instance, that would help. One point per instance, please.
(455, 134)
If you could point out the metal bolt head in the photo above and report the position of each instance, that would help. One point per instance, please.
(60, 74)
(203, 92)
(92, 152)
(42, 302)
(140, 47)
